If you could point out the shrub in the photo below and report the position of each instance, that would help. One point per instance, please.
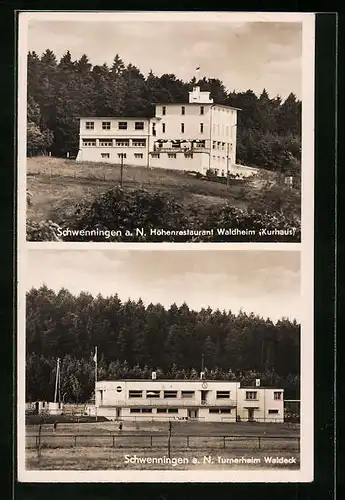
(42, 231)
(125, 211)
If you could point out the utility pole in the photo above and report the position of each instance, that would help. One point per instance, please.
(95, 360)
(57, 381)
(122, 154)
(169, 438)
(227, 165)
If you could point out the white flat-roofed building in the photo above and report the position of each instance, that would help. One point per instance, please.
(203, 400)
(105, 139)
(195, 136)
(261, 404)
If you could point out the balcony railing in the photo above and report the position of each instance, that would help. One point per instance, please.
(171, 402)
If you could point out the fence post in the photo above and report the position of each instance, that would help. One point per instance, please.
(151, 440)
(75, 440)
(223, 441)
(187, 441)
(113, 441)
(259, 443)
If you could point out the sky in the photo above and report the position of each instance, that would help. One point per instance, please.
(244, 55)
(266, 283)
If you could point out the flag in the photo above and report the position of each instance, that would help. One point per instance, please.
(95, 356)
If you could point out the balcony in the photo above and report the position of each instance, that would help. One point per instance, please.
(171, 402)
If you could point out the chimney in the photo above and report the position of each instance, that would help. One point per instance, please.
(154, 375)
(257, 382)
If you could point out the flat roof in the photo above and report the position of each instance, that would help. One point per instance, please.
(195, 104)
(136, 118)
(260, 387)
(168, 380)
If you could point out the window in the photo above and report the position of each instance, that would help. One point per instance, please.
(277, 395)
(122, 155)
(187, 394)
(251, 395)
(135, 394)
(183, 110)
(219, 410)
(182, 128)
(270, 412)
(164, 109)
(122, 125)
(89, 125)
(223, 394)
(139, 126)
(105, 155)
(139, 142)
(106, 142)
(106, 125)
(153, 129)
(161, 410)
(140, 410)
(188, 155)
(153, 394)
(170, 394)
(223, 173)
(138, 155)
(163, 128)
(172, 410)
(214, 144)
(171, 155)
(201, 110)
(119, 388)
(89, 142)
(201, 128)
(122, 142)
(155, 155)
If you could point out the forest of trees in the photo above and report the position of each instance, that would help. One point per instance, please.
(59, 92)
(134, 339)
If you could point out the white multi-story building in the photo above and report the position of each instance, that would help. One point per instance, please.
(196, 136)
(203, 400)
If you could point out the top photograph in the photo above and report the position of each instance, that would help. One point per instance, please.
(165, 127)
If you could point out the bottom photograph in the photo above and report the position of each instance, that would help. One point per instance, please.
(164, 360)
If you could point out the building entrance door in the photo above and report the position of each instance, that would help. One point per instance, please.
(250, 414)
(193, 413)
(118, 412)
(203, 397)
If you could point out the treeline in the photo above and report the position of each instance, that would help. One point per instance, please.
(60, 91)
(134, 339)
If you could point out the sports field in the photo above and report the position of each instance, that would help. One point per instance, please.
(146, 445)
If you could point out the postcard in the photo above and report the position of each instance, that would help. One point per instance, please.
(165, 127)
(165, 247)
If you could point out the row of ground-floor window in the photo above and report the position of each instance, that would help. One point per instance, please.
(203, 414)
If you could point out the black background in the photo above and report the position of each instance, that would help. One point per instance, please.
(325, 225)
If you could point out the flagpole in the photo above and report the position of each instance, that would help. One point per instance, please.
(95, 379)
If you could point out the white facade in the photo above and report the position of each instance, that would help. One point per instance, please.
(196, 136)
(203, 400)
